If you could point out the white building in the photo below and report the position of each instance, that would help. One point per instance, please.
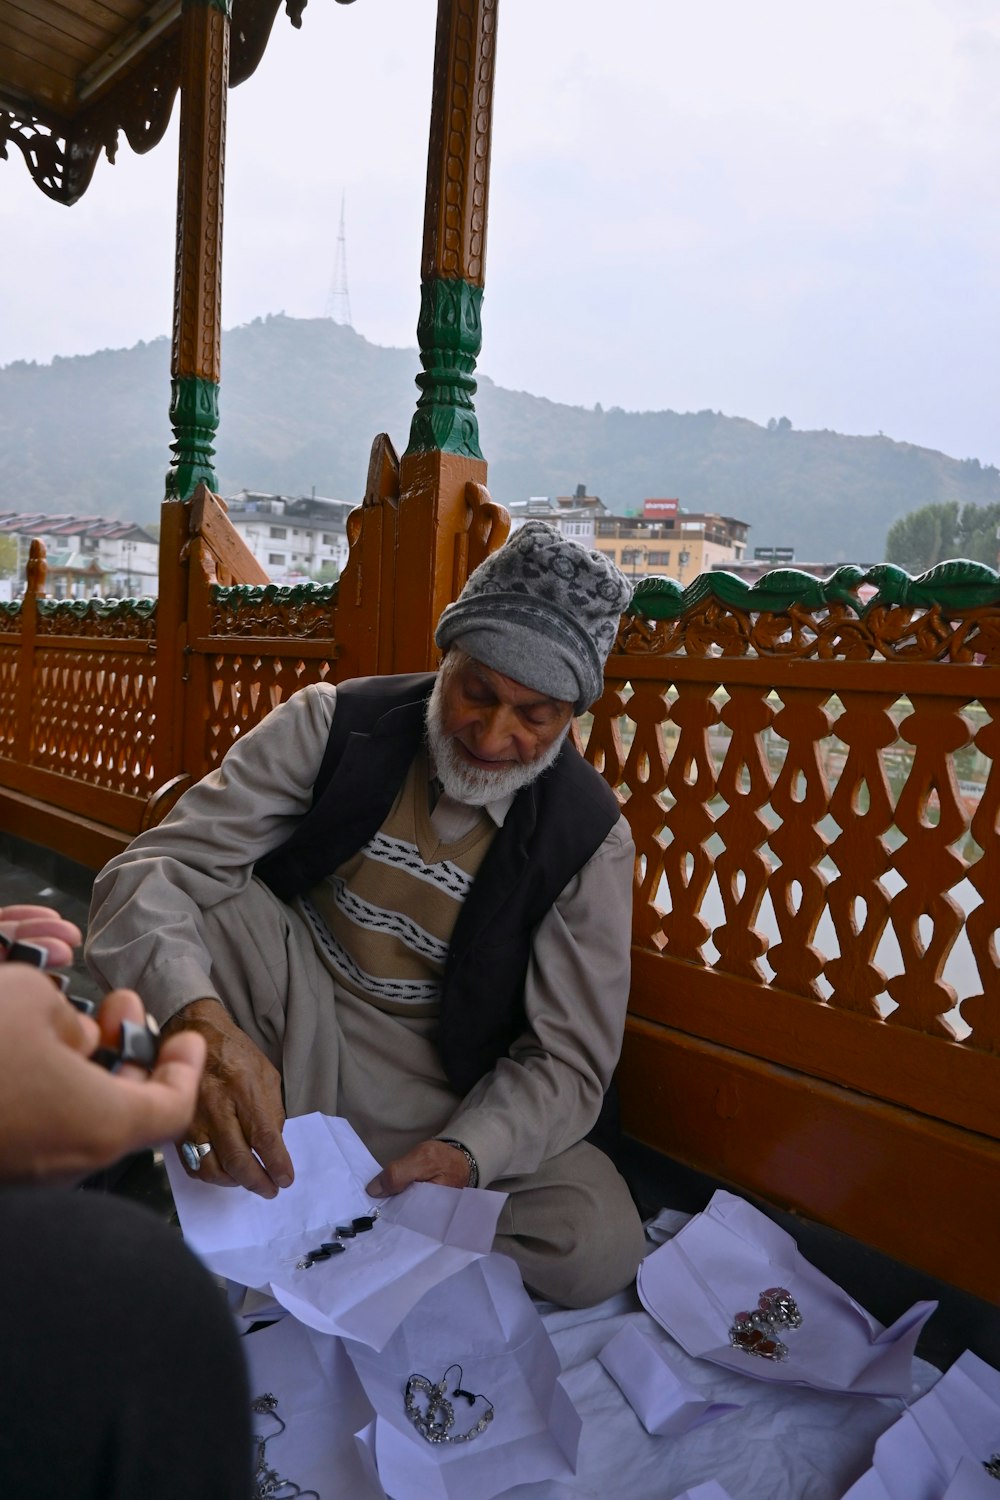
(293, 539)
(87, 555)
(574, 515)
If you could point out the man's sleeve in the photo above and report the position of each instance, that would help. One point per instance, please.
(546, 1095)
(145, 928)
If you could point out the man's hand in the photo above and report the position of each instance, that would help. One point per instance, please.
(240, 1110)
(61, 1116)
(431, 1161)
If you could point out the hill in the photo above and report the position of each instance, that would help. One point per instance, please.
(303, 398)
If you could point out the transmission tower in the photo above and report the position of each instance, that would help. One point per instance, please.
(338, 302)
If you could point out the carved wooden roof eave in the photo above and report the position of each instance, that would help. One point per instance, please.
(61, 153)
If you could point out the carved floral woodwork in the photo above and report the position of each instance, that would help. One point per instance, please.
(61, 154)
(949, 613)
(302, 612)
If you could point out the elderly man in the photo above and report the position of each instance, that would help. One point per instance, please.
(406, 900)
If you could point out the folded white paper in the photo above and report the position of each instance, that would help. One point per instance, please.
(482, 1321)
(710, 1490)
(719, 1264)
(423, 1236)
(321, 1402)
(665, 1405)
(938, 1447)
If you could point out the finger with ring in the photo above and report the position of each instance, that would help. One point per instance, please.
(192, 1154)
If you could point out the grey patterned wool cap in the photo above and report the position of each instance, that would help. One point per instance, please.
(542, 610)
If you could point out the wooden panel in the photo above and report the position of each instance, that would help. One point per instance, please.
(59, 49)
(84, 839)
(23, 75)
(62, 22)
(922, 1192)
(944, 1079)
(117, 810)
(57, 60)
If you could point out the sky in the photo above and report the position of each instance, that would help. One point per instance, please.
(785, 209)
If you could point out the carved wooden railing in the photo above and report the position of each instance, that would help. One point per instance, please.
(810, 770)
(109, 709)
(813, 783)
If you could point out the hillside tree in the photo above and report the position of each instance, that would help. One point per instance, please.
(935, 533)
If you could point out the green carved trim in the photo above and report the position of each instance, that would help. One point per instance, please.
(450, 335)
(952, 585)
(11, 608)
(97, 609)
(194, 417)
(237, 596)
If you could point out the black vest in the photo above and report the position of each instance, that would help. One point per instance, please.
(552, 829)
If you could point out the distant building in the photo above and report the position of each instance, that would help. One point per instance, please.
(573, 515)
(292, 538)
(87, 555)
(670, 541)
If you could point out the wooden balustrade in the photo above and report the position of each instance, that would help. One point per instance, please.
(813, 786)
(815, 1010)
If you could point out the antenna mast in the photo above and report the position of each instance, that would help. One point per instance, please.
(338, 302)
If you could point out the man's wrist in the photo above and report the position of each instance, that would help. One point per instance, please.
(447, 1140)
(205, 1015)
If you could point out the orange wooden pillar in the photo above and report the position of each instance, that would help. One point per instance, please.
(196, 349)
(443, 470)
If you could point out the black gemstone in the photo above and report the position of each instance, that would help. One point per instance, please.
(333, 1248)
(345, 1231)
(365, 1222)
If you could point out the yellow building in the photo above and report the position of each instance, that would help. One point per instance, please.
(679, 546)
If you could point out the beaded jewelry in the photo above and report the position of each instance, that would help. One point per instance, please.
(435, 1418)
(327, 1249)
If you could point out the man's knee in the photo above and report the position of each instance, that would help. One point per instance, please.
(573, 1228)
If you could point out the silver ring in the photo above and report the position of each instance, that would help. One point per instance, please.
(193, 1154)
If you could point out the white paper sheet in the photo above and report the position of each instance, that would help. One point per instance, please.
(710, 1490)
(321, 1400)
(718, 1265)
(787, 1443)
(937, 1448)
(484, 1321)
(423, 1236)
(665, 1405)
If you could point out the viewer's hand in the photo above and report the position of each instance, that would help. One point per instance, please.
(431, 1161)
(41, 925)
(240, 1110)
(61, 1116)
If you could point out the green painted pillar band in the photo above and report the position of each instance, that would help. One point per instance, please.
(194, 417)
(450, 335)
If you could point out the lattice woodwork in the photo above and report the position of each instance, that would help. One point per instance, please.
(242, 689)
(93, 717)
(9, 669)
(826, 845)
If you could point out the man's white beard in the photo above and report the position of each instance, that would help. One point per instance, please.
(467, 783)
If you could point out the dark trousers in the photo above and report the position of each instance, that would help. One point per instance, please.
(121, 1375)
